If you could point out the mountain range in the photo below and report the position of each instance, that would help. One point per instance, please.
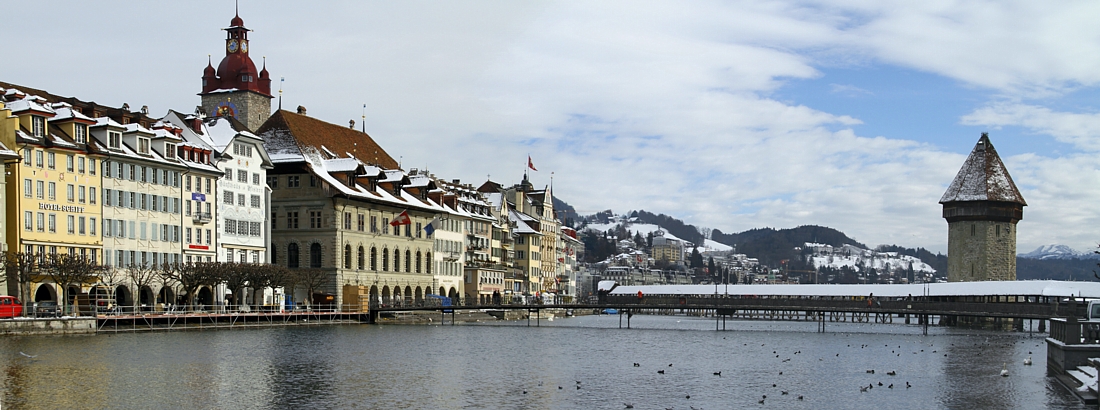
(771, 246)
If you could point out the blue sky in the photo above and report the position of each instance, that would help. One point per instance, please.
(850, 114)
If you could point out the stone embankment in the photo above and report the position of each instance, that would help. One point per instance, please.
(58, 326)
(475, 316)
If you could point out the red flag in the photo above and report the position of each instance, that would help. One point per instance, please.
(401, 219)
(530, 164)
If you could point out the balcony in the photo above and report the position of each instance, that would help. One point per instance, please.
(202, 217)
(450, 256)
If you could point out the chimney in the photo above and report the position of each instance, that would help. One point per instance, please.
(301, 110)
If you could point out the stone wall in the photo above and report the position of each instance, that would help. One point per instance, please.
(981, 250)
(62, 326)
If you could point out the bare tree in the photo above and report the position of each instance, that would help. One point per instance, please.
(142, 276)
(311, 279)
(110, 278)
(236, 276)
(20, 269)
(193, 276)
(167, 273)
(64, 270)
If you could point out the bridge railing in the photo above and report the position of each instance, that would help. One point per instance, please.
(1073, 332)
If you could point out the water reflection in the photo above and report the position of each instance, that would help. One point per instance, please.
(492, 365)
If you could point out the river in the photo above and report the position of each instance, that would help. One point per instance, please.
(573, 363)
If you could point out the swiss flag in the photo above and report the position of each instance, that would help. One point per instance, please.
(401, 219)
(530, 164)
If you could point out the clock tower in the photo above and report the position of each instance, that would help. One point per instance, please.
(236, 89)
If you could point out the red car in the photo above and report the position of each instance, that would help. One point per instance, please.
(10, 306)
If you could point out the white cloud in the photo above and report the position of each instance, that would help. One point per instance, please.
(659, 106)
(1082, 130)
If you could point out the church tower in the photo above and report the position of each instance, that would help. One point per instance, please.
(236, 89)
(982, 207)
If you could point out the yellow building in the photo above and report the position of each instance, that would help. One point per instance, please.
(52, 192)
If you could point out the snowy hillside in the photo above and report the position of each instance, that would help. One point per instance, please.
(858, 259)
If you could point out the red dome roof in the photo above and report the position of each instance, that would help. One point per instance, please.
(236, 22)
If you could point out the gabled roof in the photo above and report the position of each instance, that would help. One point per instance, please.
(983, 177)
(287, 134)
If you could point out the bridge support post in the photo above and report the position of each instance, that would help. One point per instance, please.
(1042, 326)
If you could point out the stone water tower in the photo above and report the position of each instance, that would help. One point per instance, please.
(982, 207)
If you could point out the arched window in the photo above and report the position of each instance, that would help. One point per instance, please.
(359, 258)
(373, 258)
(385, 260)
(347, 256)
(315, 255)
(408, 261)
(396, 260)
(418, 261)
(430, 262)
(292, 255)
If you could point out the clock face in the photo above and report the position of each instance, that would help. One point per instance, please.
(244, 46)
(232, 46)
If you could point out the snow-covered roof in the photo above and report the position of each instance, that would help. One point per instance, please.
(983, 177)
(987, 288)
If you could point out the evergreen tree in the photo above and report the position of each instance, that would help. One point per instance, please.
(696, 258)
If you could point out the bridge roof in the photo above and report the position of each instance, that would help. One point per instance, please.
(988, 288)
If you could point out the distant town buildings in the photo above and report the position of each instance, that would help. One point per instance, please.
(233, 183)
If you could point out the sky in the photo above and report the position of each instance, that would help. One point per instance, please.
(854, 115)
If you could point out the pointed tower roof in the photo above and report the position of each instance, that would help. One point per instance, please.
(983, 177)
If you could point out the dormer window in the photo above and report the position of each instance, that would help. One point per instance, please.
(246, 78)
(81, 135)
(38, 126)
(114, 140)
(169, 150)
(143, 146)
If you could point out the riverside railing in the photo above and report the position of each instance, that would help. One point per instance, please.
(1071, 331)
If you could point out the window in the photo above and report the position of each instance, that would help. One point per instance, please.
(80, 164)
(80, 194)
(254, 228)
(91, 230)
(418, 261)
(81, 133)
(359, 258)
(132, 173)
(273, 182)
(293, 181)
(143, 146)
(292, 255)
(408, 261)
(428, 257)
(38, 126)
(227, 197)
(52, 191)
(347, 220)
(41, 219)
(28, 188)
(69, 162)
(347, 256)
(362, 218)
(228, 174)
(114, 140)
(38, 158)
(373, 258)
(53, 222)
(28, 220)
(91, 195)
(292, 220)
(240, 199)
(143, 174)
(69, 192)
(154, 176)
(242, 175)
(187, 183)
(255, 179)
(80, 225)
(230, 226)
(385, 260)
(71, 223)
(169, 150)
(374, 224)
(208, 183)
(91, 170)
(51, 160)
(314, 219)
(209, 237)
(396, 260)
(27, 156)
(255, 200)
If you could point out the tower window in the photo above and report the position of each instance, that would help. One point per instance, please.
(973, 229)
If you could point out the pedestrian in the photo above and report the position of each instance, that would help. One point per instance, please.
(870, 299)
